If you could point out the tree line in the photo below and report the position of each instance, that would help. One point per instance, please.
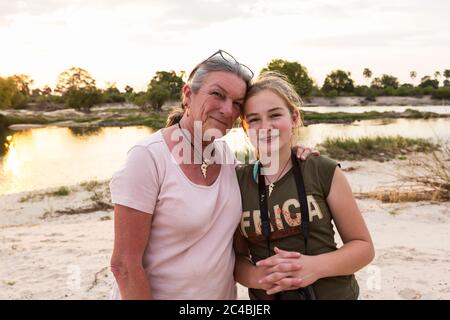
(76, 88)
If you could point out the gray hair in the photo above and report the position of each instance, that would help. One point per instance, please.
(200, 72)
(217, 63)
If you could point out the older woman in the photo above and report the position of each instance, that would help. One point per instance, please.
(177, 199)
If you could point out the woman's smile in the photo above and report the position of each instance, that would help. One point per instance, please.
(220, 121)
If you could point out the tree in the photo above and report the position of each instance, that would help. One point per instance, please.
(128, 90)
(338, 80)
(7, 90)
(10, 96)
(82, 99)
(389, 81)
(157, 95)
(376, 83)
(296, 74)
(46, 91)
(78, 89)
(74, 78)
(111, 94)
(129, 93)
(426, 81)
(437, 76)
(170, 81)
(406, 89)
(36, 92)
(367, 73)
(446, 75)
(23, 83)
(413, 75)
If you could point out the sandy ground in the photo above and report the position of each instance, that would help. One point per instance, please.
(44, 255)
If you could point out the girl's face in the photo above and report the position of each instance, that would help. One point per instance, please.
(268, 121)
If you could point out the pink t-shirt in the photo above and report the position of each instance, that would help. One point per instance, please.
(189, 254)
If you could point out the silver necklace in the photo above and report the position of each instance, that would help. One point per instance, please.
(205, 162)
(272, 184)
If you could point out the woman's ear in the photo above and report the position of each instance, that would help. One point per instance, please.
(187, 95)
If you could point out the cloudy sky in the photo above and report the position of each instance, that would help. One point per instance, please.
(127, 41)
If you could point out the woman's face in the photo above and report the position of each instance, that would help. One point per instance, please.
(218, 102)
(268, 121)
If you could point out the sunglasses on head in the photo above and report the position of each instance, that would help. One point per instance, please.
(225, 56)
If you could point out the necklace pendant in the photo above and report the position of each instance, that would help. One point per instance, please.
(271, 186)
(204, 169)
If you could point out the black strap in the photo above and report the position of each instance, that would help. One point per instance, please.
(301, 193)
(265, 222)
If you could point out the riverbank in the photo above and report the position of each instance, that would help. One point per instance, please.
(112, 115)
(377, 101)
(121, 115)
(56, 243)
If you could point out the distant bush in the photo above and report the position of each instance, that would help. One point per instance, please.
(441, 93)
(10, 96)
(112, 95)
(82, 99)
(331, 94)
(390, 91)
(140, 99)
(61, 191)
(376, 148)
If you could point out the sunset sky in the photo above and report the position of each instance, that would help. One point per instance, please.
(127, 41)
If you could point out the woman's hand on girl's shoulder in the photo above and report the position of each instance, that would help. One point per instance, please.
(303, 152)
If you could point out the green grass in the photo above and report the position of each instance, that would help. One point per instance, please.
(90, 185)
(343, 117)
(118, 110)
(393, 212)
(29, 197)
(340, 116)
(88, 119)
(10, 120)
(376, 148)
(156, 121)
(61, 191)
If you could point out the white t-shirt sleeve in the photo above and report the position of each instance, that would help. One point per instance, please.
(136, 184)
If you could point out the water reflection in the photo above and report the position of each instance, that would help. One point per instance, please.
(85, 131)
(11, 162)
(4, 144)
(433, 129)
(50, 157)
(360, 109)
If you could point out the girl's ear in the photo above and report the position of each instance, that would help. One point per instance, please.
(296, 120)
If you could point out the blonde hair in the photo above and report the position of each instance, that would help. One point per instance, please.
(279, 84)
